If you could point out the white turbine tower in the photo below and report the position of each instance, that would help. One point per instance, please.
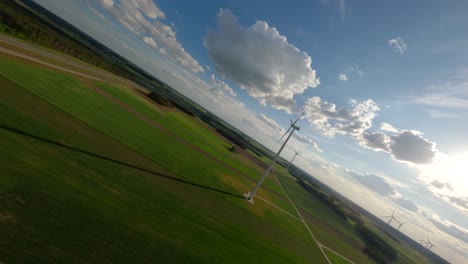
(249, 195)
(295, 154)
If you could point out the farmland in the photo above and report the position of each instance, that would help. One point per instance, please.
(85, 178)
(96, 171)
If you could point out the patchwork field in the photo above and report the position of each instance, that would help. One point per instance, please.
(86, 179)
(95, 172)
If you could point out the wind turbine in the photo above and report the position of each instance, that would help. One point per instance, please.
(295, 154)
(400, 224)
(429, 244)
(422, 242)
(291, 129)
(292, 125)
(392, 217)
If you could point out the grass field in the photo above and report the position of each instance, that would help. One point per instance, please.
(334, 258)
(85, 180)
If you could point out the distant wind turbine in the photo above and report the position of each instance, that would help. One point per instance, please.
(400, 224)
(295, 154)
(291, 129)
(422, 242)
(392, 217)
(429, 244)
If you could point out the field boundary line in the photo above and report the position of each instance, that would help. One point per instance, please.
(149, 157)
(277, 207)
(338, 254)
(303, 221)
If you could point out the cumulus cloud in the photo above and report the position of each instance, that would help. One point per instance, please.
(404, 145)
(398, 45)
(411, 146)
(342, 77)
(143, 18)
(330, 120)
(376, 141)
(221, 84)
(388, 128)
(261, 61)
(271, 122)
(150, 42)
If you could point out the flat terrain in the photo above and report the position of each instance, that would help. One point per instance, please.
(92, 171)
(86, 179)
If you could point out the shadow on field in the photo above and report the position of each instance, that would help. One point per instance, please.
(58, 144)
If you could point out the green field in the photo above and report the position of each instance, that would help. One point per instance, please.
(85, 180)
(335, 259)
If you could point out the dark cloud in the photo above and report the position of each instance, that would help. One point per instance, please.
(260, 60)
(382, 187)
(459, 201)
(441, 185)
(406, 203)
(376, 141)
(377, 184)
(451, 229)
(411, 146)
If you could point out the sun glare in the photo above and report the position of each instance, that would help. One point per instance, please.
(454, 170)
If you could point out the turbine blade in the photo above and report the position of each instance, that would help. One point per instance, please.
(282, 137)
(298, 118)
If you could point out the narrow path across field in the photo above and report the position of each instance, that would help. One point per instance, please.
(305, 224)
(188, 144)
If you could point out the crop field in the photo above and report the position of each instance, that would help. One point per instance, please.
(91, 175)
(337, 233)
(335, 259)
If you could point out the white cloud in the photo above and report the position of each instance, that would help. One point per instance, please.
(441, 100)
(355, 69)
(342, 8)
(329, 120)
(350, 71)
(444, 99)
(388, 128)
(446, 177)
(150, 42)
(271, 122)
(398, 45)
(405, 146)
(108, 4)
(306, 140)
(261, 61)
(143, 18)
(221, 84)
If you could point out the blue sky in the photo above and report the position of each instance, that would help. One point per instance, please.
(384, 86)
